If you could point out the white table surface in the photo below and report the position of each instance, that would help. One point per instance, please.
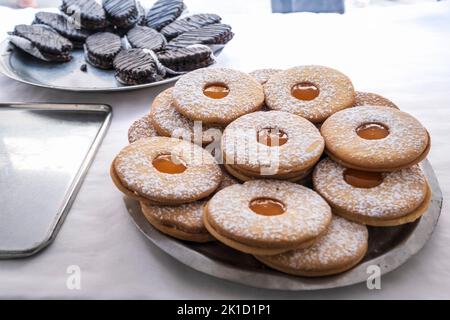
(402, 52)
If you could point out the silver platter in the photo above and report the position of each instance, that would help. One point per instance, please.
(67, 76)
(389, 248)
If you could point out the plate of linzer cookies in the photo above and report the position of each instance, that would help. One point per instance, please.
(112, 45)
(282, 179)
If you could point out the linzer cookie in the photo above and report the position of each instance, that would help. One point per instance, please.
(313, 92)
(170, 123)
(140, 129)
(193, 22)
(373, 198)
(372, 99)
(42, 42)
(164, 12)
(123, 13)
(266, 217)
(217, 33)
(166, 171)
(146, 38)
(217, 96)
(137, 66)
(374, 138)
(186, 59)
(89, 13)
(101, 48)
(184, 221)
(341, 248)
(63, 26)
(271, 144)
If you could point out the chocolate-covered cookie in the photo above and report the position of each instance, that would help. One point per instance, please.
(164, 12)
(122, 13)
(101, 48)
(146, 38)
(137, 66)
(88, 13)
(217, 33)
(42, 42)
(189, 23)
(187, 59)
(64, 26)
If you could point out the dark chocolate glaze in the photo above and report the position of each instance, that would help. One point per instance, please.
(63, 26)
(44, 38)
(135, 66)
(189, 23)
(146, 38)
(104, 44)
(164, 12)
(186, 59)
(123, 13)
(211, 34)
(90, 13)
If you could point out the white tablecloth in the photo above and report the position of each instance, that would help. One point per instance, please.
(401, 52)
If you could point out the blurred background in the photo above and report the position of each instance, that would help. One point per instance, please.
(266, 5)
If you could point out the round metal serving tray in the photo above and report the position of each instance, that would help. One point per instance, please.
(389, 247)
(68, 76)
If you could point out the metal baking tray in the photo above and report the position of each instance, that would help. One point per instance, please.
(22, 67)
(389, 247)
(45, 152)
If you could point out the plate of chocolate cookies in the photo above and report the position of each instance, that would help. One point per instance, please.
(112, 45)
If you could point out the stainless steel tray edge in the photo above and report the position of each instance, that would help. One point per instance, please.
(77, 182)
(269, 279)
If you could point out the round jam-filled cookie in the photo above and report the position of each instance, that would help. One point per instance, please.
(263, 75)
(372, 99)
(161, 170)
(373, 138)
(170, 123)
(271, 144)
(373, 198)
(266, 217)
(141, 128)
(101, 48)
(185, 221)
(341, 248)
(313, 92)
(217, 95)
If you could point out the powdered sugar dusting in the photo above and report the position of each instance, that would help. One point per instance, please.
(400, 192)
(240, 145)
(336, 92)
(343, 242)
(372, 99)
(262, 75)
(134, 167)
(307, 214)
(170, 122)
(245, 95)
(141, 128)
(407, 138)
